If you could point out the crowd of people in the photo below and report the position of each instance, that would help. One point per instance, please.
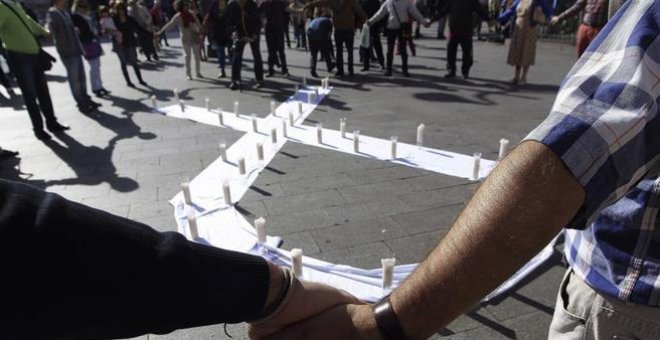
(226, 27)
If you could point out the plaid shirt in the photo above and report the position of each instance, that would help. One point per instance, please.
(605, 126)
(595, 12)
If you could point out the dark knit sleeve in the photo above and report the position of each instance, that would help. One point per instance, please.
(72, 272)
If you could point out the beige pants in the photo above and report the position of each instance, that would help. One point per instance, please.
(582, 313)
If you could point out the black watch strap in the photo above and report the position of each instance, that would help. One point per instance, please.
(386, 320)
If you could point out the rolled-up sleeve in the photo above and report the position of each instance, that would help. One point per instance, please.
(605, 124)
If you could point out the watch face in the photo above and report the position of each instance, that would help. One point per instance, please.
(381, 307)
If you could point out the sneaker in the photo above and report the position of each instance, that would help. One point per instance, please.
(93, 104)
(143, 83)
(222, 75)
(199, 75)
(131, 85)
(270, 74)
(233, 86)
(259, 85)
(57, 127)
(104, 91)
(189, 77)
(314, 74)
(339, 74)
(98, 93)
(406, 74)
(450, 75)
(466, 75)
(388, 73)
(41, 135)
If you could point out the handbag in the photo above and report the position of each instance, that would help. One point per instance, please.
(92, 50)
(44, 59)
(365, 38)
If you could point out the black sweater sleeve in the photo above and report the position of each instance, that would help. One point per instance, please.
(73, 272)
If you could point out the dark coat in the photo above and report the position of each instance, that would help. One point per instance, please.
(217, 25)
(244, 21)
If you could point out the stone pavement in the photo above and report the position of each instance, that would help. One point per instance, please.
(335, 206)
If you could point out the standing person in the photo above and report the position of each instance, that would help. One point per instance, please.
(159, 18)
(594, 18)
(370, 8)
(189, 29)
(194, 9)
(298, 18)
(145, 29)
(422, 7)
(319, 33)
(70, 50)
(244, 25)
(460, 14)
(522, 50)
(91, 46)
(343, 18)
(275, 13)
(216, 25)
(124, 42)
(19, 33)
(442, 21)
(398, 13)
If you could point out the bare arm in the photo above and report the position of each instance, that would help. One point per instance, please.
(522, 205)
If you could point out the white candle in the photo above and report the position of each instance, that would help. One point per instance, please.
(236, 108)
(254, 123)
(476, 166)
(223, 152)
(342, 127)
(304, 83)
(192, 224)
(296, 89)
(260, 226)
(296, 260)
(300, 108)
(319, 133)
(284, 134)
(221, 119)
(207, 102)
(273, 135)
(327, 82)
(272, 108)
(312, 98)
(323, 83)
(290, 118)
(388, 272)
(504, 148)
(356, 141)
(241, 166)
(394, 140)
(187, 197)
(420, 135)
(176, 94)
(260, 151)
(226, 192)
(182, 104)
(154, 104)
(316, 91)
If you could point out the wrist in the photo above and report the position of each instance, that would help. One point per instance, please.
(364, 322)
(275, 285)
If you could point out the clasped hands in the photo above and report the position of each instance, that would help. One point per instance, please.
(317, 311)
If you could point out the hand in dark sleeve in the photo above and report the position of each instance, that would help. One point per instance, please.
(70, 271)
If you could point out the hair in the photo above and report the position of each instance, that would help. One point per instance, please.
(120, 6)
(77, 4)
(186, 17)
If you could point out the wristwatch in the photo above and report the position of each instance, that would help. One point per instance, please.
(386, 320)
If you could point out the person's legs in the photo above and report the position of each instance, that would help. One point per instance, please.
(220, 51)
(237, 61)
(95, 74)
(197, 55)
(377, 46)
(452, 46)
(22, 66)
(326, 51)
(339, 42)
(391, 40)
(258, 63)
(403, 39)
(468, 57)
(516, 77)
(303, 36)
(441, 28)
(523, 77)
(281, 54)
(121, 55)
(74, 76)
(272, 51)
(131, 58)
(186, 53)
(349, 37)
(314, 50)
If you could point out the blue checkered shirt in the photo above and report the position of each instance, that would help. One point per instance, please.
(605, 126)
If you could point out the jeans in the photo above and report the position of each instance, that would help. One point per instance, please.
(32, 82)
(275, 44)
(452, 49)
(75, 72)
(95, 74)
(392, 36)
(583, 313)
(441, 27)
(239, 46)
(222, 56)
(127, 55)
(322, 46)
(187, 49)
(299, 33)
(344, 37)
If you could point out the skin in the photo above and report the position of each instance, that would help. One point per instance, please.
(521, 206)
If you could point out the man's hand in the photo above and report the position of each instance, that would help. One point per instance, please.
(554, 20)
(308, 300)
(345, 322)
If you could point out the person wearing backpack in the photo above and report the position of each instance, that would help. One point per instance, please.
(28, 63)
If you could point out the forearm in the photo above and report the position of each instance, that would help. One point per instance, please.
(573, 10)
(522, 205)
(77, 272)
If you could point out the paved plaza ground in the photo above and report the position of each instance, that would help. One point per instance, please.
(336, 207)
